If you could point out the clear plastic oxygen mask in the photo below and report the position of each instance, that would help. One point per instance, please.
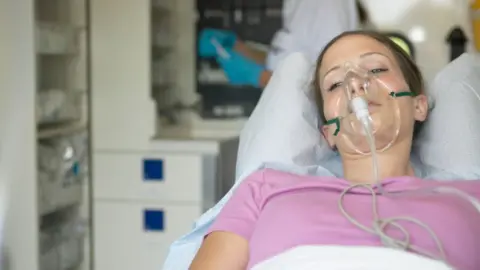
(366, 109)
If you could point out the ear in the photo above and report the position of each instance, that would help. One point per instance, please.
(327, 132)
(420, 108)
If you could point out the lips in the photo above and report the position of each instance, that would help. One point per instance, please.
(372, 106)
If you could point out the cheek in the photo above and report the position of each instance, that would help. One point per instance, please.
(407, 108)
(332, 105)
(329, 110)
(394, 82)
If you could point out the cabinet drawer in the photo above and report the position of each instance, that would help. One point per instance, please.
(138, 235)
(148, 177)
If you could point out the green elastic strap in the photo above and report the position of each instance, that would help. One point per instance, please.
(402, 94)
(335, 121)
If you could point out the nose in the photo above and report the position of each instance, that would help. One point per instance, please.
(356, 87)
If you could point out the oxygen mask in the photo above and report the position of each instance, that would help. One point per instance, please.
(367, 113)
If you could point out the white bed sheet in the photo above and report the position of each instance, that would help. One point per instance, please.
(348, 258)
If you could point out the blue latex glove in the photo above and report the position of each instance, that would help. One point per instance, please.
(226, 39)
(240, 70)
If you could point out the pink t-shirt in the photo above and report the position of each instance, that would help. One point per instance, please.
(276, 211)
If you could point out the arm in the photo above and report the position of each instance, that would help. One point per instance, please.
(258, 56)
(251, 53)
(245, 67)
(265, 78)
(241, 70)
(222, 250)
(226, 244)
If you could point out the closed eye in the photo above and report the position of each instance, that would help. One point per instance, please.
(378, 70)
(334, 86)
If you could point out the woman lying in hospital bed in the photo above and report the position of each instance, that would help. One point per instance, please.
(272, 212)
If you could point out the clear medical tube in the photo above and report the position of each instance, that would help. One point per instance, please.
(360, 108)
(371, 142)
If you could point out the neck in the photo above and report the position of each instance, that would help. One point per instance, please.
(393, 162)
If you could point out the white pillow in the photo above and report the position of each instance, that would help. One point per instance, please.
(451, 136)
(284, 127)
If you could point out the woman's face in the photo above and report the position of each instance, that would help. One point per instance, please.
(365, 54)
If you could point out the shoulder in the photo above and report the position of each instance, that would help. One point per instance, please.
(458, 187)
(470, 187)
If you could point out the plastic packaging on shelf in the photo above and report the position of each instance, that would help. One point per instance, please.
(57, 105)
(162, 37)
(161, 74)
(53, 38)
(62, 168)
(61, 245)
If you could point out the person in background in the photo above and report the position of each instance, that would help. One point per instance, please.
(307, 26)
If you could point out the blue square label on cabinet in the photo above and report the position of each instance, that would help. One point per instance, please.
(153, 170)
(153, 220)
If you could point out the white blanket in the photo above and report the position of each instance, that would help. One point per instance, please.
(348, 258)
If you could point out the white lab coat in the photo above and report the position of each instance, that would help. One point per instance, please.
(308, 25)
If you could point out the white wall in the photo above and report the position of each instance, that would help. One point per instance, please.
(17, 132)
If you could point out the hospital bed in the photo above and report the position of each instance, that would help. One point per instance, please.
(289, 141)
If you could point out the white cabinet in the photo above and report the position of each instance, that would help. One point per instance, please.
(44, 133)
(145, 201)
(137, 235)
(149, 176)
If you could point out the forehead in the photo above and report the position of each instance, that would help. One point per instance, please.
(350, 48)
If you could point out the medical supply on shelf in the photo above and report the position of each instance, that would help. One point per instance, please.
(62, 168)
(55, 38)
(58, 105)
(61, 242)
